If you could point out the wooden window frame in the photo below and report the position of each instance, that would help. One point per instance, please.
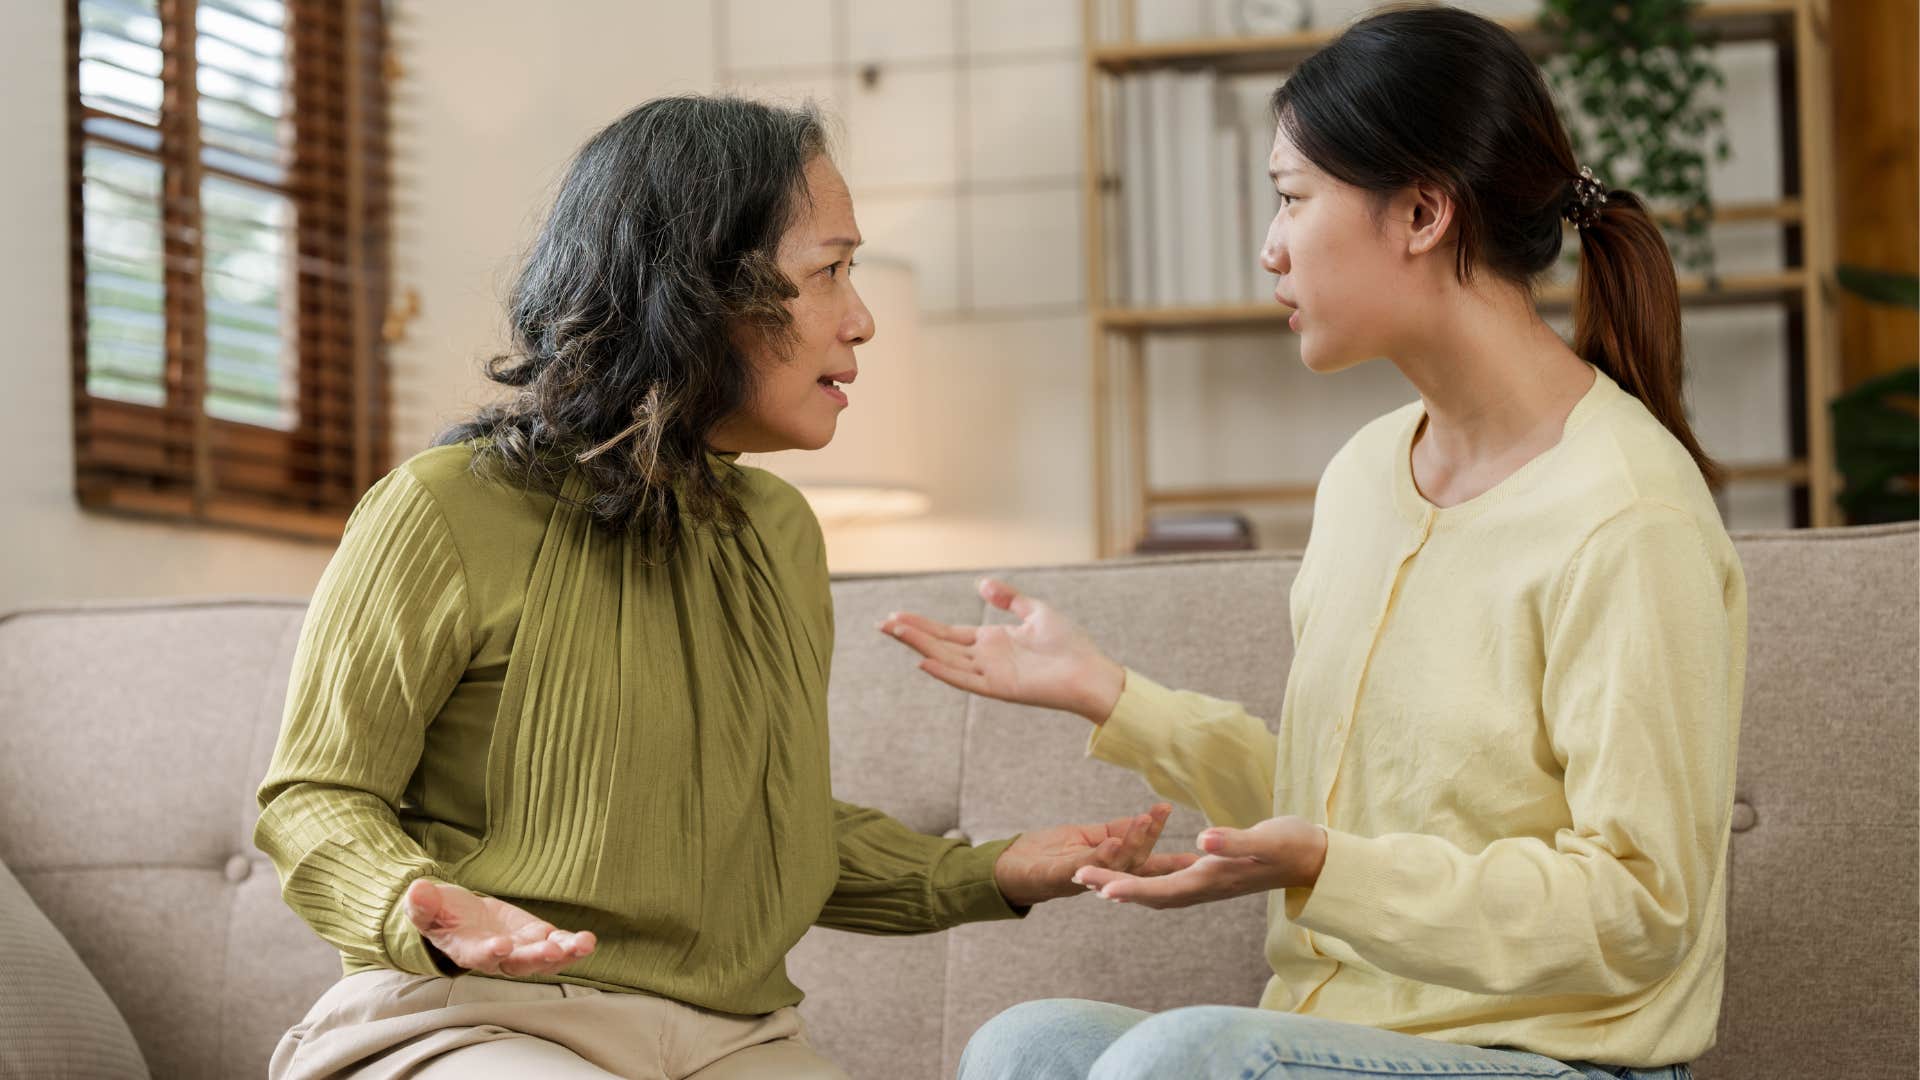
(174, 461)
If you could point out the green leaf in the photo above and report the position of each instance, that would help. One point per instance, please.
(1881, 286)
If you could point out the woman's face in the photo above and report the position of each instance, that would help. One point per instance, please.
(800, 392)
(1347, 264)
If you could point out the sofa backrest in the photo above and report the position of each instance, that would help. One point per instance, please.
(132, 737)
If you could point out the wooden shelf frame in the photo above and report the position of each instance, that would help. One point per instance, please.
(1765, 472)
(1124, 494)
(1728, 22)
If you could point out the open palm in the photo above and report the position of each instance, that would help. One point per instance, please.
(489, 936)
(1043, 660)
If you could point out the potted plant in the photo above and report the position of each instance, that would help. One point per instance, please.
(1632, 76)
(1876, 425)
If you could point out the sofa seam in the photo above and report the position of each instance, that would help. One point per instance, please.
(959, 821)
(162, 603)
(1827, 536)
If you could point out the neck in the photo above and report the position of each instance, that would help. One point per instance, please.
(1491, 373)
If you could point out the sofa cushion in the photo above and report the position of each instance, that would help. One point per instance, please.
(132, 737)
(55, 1020)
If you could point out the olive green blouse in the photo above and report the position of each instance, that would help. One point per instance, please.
(490, 690)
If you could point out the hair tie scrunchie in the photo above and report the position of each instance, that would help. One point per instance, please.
(1589, 195)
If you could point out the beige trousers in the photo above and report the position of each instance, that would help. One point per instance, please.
(389, 1025)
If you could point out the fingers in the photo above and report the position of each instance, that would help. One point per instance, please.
(933, 648)
(1167, 863)
(1006, 597)
(1098, 878)
(960, 679)
(546, 955)
(1171, 890)
(1137, 835)
(958, 635)
(1239, 843)
(1145, 834)
(421, 902)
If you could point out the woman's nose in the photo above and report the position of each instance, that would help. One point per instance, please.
(858, 328)
(1273, 256)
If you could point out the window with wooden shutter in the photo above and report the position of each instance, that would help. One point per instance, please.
(229, 199)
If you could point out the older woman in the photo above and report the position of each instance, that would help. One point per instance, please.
(553, 774)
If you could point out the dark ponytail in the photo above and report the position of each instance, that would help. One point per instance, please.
(1442, 96)
(1626, 315)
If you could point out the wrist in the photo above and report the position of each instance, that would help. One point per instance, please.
(1316, 857)
(1100, 690)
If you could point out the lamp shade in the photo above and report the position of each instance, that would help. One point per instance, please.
(872, 469)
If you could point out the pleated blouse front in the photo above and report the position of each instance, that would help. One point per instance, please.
(491, 690)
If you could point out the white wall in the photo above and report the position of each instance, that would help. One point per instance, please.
(964, 157)
(496, 97)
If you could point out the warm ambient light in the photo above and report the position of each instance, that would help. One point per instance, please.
(863, 504)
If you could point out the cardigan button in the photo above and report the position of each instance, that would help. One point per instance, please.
(238, 869)
(1744, 817)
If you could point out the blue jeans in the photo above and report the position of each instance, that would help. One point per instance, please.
(1068, 1039)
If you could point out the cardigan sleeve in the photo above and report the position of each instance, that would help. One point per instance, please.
(1641, 703)
(1198, 751)
(386, 639)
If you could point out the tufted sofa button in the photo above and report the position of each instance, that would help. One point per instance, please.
(239, 868)
(1743, 817)
(955, 834)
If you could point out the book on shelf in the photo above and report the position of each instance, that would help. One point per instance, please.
(1206, 531)
(1136, 190)
(1163, 186)
(1195, 199)
(1195, 189)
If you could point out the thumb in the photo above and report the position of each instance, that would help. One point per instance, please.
(1233, 843)
(1006, 597)
(422, 903)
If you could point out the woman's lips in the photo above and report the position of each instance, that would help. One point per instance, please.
(1293, 320)
(834, 392)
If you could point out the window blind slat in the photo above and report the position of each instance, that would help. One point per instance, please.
(266, 243)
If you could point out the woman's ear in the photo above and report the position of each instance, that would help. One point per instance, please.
(1427, 216)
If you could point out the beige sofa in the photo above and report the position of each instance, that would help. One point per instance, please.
(132, 735)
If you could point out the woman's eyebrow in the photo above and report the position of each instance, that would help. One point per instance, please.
(840, 241)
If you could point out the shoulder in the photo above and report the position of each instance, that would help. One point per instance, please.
(778, 510)
(1622, 464)
(495, 524)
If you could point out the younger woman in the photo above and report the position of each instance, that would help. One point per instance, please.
(1493, 826)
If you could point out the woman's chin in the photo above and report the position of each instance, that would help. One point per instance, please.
(813, 440)
(1322, 361)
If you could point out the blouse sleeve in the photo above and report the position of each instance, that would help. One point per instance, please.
(1645, 657)
(385, 640)
(894, 880)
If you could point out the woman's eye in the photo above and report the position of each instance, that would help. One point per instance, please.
(838, 269)
(1286, 200)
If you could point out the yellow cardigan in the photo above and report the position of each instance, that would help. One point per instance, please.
(1516, 719)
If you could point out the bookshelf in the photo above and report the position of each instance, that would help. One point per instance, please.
(1120, 329)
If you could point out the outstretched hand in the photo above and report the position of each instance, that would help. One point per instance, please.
(489, 936)
(1043, 660)
(1041, 865)
(1279, 853)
